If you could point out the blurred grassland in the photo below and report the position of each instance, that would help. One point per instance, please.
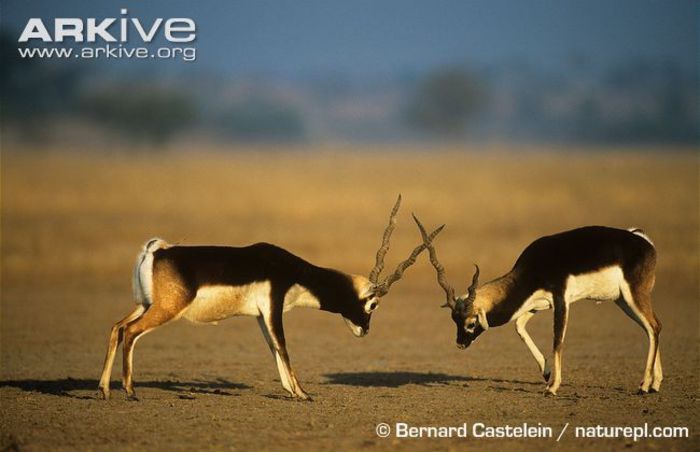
(74, 219)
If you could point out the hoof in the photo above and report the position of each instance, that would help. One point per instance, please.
(653, 390)
(550, 391)
(132, 397)
(103, 394)
(546, 375)
(303, 397)
(642, 392)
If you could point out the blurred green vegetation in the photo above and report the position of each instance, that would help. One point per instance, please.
(143, 113)
(631, 101)
(445, 101)
(261, 119)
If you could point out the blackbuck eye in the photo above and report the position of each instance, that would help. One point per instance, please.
(371, 306)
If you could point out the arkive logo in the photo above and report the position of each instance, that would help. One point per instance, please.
(111, 38)
(111, 29)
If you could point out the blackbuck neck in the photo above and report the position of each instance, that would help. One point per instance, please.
(502, 298)
(327, 289)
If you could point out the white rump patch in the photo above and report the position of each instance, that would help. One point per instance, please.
(601, 285)
(637, 231)
(142, 280)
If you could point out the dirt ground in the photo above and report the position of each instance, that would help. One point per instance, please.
(72, 225)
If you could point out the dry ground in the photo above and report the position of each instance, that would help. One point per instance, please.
(72, 225)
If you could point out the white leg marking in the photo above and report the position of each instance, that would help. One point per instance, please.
(553, 387)
(639, 318)
(520, 323)
(287, 377)
(266, 335)
(658, 372)
(284, 375)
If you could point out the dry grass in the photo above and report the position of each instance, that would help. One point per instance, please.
(80, 217)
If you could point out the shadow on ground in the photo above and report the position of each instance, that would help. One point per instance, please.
(63, 387)
(398, 379)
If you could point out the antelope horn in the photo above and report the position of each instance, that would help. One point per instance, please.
(471, 291)
(381, 252)
(383, 288)
(441, 278)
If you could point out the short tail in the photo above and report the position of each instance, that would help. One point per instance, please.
(142, 280)
(642, 234)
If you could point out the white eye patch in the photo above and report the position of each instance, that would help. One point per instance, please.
(371, 305)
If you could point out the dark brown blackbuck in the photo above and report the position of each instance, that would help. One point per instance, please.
(210, 283)
(594, 263)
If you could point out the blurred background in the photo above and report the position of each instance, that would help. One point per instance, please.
(505, 71)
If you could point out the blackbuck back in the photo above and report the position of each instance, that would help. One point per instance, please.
(210, 283)
(595, 263)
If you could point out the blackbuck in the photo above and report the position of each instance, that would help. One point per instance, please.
(210, 283)
(595, 263)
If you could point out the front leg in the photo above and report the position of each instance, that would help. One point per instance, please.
(561, 318)
(542, 363)
(271, 326)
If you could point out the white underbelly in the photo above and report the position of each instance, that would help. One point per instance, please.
(601, 285)
(214, 303)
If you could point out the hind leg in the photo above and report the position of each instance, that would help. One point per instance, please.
(561, 319)
(115, 339)
(658, 373)
(637, 305)
(153, 318)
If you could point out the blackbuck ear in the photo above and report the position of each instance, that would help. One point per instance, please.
(483, 321)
